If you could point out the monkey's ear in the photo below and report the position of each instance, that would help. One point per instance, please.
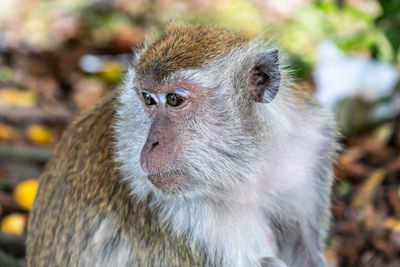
(265, 78)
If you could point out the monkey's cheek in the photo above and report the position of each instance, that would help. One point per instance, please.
(167, 184)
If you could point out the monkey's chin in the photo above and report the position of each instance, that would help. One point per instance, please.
(168, 182)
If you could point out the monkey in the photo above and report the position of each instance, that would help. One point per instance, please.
(209, 154)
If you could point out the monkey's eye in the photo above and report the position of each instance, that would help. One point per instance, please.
(148, 100)
(174, 99)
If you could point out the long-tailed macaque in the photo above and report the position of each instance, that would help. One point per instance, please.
(208, 155)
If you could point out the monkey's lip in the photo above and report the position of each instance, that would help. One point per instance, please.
(156, 175)
(166, 181)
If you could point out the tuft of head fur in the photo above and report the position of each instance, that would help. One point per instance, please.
(185, 47)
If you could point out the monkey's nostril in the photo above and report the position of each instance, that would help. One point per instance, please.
(154, 145)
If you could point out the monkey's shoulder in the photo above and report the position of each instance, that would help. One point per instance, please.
(82, 162)
(91, 131)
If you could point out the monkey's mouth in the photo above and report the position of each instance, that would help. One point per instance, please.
(166, 181)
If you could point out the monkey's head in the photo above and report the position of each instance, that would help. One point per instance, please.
(191, 118)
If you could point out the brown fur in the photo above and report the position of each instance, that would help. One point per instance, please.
(75, 195)
(81, 187)
(184, 47)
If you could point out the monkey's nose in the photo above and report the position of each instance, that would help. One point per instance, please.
(149, 154)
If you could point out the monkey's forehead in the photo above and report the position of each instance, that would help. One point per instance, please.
(185, 47)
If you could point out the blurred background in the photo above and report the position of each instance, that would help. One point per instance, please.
(57, 58)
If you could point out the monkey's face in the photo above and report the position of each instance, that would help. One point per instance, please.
(203, 134)
(171, 108)
(191, 125)
(194, 142)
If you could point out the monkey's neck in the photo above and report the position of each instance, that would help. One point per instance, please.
(235, 233)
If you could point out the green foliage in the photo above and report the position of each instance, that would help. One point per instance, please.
(351, 29)
(389, 22)
(7, 261)
(6, 74)
(300, 68)
(344, 188)
(103, 23)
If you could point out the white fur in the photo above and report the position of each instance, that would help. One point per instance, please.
(270, 173)
(106, 248)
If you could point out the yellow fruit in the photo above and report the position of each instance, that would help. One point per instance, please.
(112, 72)
(24, 193)
(13, 223)
(39, 134)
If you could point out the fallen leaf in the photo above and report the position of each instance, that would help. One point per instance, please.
(365, 194)
(6, 132)
(87, 92)
(112, 72)
(17, 98)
